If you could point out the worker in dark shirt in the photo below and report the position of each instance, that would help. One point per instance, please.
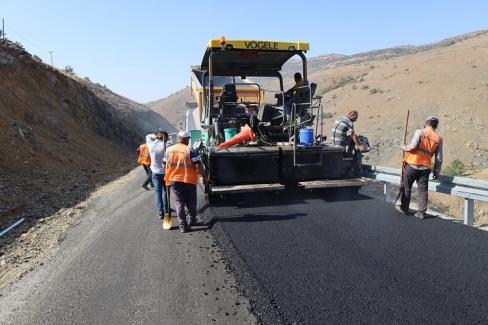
(293, 93)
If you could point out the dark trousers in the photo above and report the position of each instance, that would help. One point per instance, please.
(421, 176)
(148, 180)
(185, 196)
(160, 191)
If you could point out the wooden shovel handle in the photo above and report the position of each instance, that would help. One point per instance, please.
(406, 130)
(403, 156)
(168, 200)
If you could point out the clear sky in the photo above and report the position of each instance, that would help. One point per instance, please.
(143, 49)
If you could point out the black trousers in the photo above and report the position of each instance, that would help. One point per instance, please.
(185, 198)
(421, 176)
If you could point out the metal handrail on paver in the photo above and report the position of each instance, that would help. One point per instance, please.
(468, 188)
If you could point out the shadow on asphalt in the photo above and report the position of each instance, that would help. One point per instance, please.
(283, 198)
(256, 200)
(254, 218)
(337, 195)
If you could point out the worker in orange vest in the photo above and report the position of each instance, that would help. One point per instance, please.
(145, 160)
(426, 143)
(182, 168)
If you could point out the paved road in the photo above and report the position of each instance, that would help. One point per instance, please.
(119, 267)
(313, 258)
(299, 257)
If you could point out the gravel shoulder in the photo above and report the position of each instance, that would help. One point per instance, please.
(107, 260)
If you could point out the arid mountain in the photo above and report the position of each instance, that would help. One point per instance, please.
(173, 106)
(60, 136)
(450, 82)
(447, 78)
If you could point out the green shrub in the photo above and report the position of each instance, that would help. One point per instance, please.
(338, 84)
(455, 168)
(375, 90)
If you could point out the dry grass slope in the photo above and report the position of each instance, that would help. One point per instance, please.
(173, 106)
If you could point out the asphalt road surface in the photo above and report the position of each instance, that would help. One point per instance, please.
(316, 258)
(297, 257)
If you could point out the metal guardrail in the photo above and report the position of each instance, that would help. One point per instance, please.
(468, 188)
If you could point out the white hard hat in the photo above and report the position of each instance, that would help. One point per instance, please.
(183, 134)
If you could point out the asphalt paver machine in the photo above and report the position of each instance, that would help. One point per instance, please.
(274, 147)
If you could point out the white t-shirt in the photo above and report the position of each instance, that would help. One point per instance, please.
(157, 149)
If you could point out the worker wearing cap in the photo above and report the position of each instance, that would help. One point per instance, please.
(426, 143)
(156, 144)
(182, 168)
(144, 159)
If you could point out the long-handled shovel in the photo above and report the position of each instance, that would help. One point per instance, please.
(167, 216)
(403, 156)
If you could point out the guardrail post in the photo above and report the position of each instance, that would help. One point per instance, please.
(388, 190)
(468, 211)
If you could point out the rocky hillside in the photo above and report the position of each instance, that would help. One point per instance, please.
(60, 137)
(134, 115)
(448, 78)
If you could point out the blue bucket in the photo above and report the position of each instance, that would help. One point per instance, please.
(306, 137)
(229, 133)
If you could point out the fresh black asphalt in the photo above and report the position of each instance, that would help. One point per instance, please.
(322, 258)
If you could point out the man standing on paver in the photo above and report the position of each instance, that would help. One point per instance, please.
(145, 160)
(425, 144)
(157, 147)
(182, 168)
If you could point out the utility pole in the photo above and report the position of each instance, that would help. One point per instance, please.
(51, 53)
(3, 29)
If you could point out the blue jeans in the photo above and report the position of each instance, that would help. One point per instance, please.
(148, 180)
(160, 190)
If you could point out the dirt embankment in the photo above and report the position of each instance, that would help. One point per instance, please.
(59, 137)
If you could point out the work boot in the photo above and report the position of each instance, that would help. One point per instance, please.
(420, 215)
(401, 210)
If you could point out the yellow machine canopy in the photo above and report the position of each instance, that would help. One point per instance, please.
(249, 57)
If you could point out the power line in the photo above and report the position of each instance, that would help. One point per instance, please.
(29, 40)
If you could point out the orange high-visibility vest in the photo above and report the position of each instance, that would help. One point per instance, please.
(144, 156)
(422, 155)
(179, 167)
